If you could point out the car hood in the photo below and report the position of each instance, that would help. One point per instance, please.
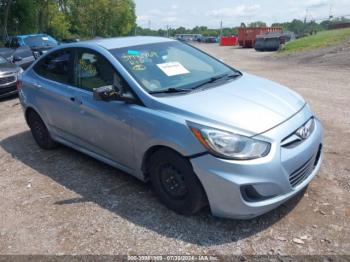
(249, 103)
(8, 68)
(41, 48)
(6, 52)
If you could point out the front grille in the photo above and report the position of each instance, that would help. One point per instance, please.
(293, 140)
(299, 175)
(8, 89)
(7, 80)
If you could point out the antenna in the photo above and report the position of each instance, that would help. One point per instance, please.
(221, 29)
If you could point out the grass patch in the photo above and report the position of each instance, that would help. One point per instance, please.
(321, 39)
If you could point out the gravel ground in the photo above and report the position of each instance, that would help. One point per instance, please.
(63, 202)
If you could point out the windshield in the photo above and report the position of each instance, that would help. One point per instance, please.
(3, 60)
(38, 41)
(170, 65)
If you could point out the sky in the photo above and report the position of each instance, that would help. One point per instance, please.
(189, 13)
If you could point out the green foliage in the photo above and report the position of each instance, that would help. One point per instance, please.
(67, 18)
(319, 40)
(22, 17)
(303, 29)
(58, 25)
(203, 30)
(257, 24)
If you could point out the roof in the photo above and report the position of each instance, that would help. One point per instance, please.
(29, 35)
(120, 42)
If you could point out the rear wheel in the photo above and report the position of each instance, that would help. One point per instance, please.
(175, 183)
(39, 131)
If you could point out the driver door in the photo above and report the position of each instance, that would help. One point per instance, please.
(104, 127)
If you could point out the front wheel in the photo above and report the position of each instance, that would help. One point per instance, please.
(175, 183)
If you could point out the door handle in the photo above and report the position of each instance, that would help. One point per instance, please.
(73, 99)
(37, 85)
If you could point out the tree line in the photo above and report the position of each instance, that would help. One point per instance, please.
(67, 18)
(299, 27)
(302, 28)
(106, 18)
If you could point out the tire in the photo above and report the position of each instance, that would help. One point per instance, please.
(175, 183)
(39, 131)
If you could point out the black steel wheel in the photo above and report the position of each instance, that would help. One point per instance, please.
(175, 183)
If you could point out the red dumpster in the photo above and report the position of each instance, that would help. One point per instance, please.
(228, 40)
(247, 35)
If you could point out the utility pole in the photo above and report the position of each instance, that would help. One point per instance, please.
(221, 29)
(306, 15)
(330, 12)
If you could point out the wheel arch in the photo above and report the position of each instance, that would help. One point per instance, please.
(147, 156)
(31, 108)
(26, 112)
(153, 149)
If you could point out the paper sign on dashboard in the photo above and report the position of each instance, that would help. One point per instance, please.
(173, 69)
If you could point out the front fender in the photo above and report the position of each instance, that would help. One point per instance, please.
(159, 128)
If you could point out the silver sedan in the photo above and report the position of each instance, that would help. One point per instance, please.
(201, 131)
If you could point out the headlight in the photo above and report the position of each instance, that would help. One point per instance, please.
(20, 71)
(229, 145)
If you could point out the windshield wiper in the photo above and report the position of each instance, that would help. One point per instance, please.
(170, 90)
(215, 79)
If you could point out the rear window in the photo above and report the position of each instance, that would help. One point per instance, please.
(56, 67)
(40, 41)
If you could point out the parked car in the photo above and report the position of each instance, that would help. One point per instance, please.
(38, 43)
(21, 56)
(70, 40)
(201, 131)
(207, 39)
(211, 39)
(9, 73)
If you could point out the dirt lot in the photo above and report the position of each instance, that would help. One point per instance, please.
(63, 202)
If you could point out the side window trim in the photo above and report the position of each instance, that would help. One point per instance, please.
(70, 66)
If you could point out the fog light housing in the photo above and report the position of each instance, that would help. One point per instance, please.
(250, 194)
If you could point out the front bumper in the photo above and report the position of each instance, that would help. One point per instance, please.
(8, 85)
(223, 180)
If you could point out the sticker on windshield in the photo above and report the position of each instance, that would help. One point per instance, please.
(173, 69)
(45, 38)
(133, 52)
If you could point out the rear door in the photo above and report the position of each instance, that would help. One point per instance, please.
(105, 127)
(55, 93)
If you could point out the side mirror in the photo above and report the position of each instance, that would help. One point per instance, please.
(17, 58)
(104, 93)
(36, 54)
(108, 93)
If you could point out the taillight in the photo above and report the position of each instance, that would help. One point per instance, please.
(19, 84)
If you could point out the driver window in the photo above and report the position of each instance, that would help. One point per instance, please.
(14, 43)
(93, 71)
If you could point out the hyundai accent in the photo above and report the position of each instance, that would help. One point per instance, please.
(202, 132)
